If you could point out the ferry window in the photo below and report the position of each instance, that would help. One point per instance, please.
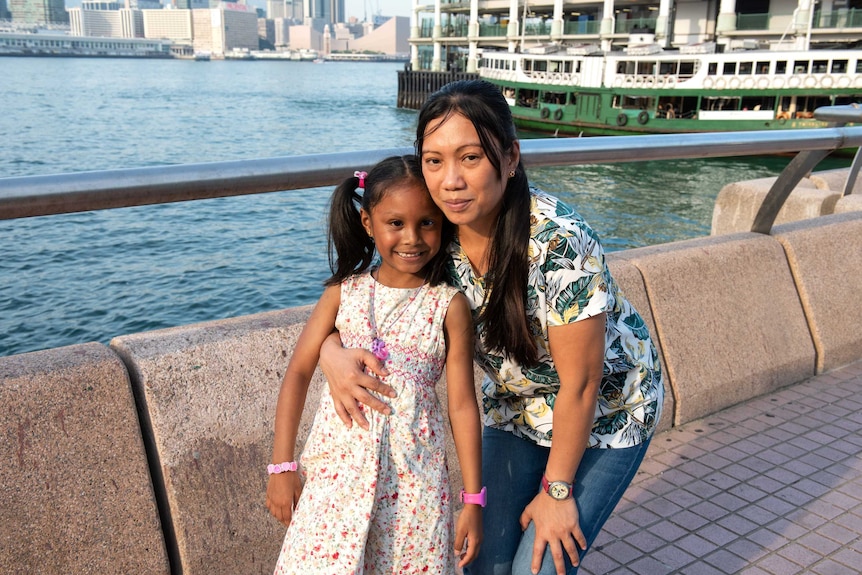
(745, 68)
(859, 66)
(686, 69)
(554, 66)
(839, 66)
(763, 67)
(528, 65)
(647, 68)
(800, 66)
(554, 98)
(781, 67)
(758, 103)
(667, 68)
(819, 67)
(573, 99)
(712, 70)
(540, 66)
(527, 98)
(845, 100)
(729, 68)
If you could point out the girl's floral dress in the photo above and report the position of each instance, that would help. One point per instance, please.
(377, 502)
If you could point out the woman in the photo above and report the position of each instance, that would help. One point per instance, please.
(573, 386)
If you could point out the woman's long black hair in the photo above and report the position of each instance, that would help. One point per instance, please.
(504, 319)
(350, 248)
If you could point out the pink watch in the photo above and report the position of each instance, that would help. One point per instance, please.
(475, 498)
(273, 468)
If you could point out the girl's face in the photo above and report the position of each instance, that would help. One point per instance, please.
(406, 227)
(462, 180)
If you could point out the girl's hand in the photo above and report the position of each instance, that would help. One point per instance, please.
(282, 494)
(557, 526)
(468, 533)
(349, 384)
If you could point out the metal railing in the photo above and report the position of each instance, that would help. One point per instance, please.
(27, 196)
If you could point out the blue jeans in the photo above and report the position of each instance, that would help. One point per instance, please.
(512, 471)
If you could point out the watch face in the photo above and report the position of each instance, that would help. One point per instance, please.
(558, 490)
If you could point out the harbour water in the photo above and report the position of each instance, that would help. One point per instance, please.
(91, 276)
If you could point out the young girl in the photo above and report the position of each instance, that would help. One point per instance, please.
(377, 501)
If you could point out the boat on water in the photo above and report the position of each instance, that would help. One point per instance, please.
(583, 91)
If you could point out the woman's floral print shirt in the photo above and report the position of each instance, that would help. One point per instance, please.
(569, 281)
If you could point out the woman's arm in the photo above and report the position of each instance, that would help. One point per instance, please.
(578, 351)
(349, 384)
(283, 489)
(465, 422)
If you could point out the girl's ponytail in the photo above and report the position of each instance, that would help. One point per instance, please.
(350, 249)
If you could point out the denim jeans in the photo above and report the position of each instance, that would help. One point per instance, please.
(512, 471)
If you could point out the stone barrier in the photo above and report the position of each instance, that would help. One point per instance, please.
(734, 316)
(75, 489)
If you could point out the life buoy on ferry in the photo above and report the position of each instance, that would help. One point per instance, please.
(575, 81)
(827, 81)
(545, 113)
(639, 82)
(629, 82)
(794, 81)
(558, 114)
(707, 82)
(557, 78)
(810, 81)
(844, 81)
(618, 82)
(778, 82)
(670, 82)
(748, 83)
(622, 119)
(734, 83)
(649, 81)
(763, 83)
(857, 82)
(643, 117)
(720, 83)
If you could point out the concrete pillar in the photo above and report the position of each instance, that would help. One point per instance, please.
(473, 38)
(803, 16)
(436, 65)
(662, 25)
(557, 22)
(414, 34)
(513, 29)
(726, 21)
(608, 23)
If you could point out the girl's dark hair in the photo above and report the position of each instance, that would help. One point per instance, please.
(350, 249)
(504, 318)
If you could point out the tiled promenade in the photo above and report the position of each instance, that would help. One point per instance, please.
(769, 487)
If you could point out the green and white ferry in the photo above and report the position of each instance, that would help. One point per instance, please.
(583, 91)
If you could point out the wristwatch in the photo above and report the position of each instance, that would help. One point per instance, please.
(559, 490)
(477, 498)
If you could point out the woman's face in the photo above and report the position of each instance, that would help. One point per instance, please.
(459, 175)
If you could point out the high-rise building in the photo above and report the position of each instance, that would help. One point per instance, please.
(330, 11)
(4, 13)
(39, 11)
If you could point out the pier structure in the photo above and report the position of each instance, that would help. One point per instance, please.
(450, 36)
(148, 454)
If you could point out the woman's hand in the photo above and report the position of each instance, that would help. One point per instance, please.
(282, 494)
(348, 372)
(557, 526)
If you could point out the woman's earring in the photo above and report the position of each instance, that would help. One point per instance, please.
(511, 173)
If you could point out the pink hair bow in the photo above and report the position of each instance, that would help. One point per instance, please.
(361, 176)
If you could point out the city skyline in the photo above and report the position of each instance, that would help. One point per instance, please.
(358, 8)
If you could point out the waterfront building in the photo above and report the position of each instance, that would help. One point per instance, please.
(230, 27)
(450, 35)
(175, 25)
(44, 12)
(330, 11)
(13, 44)
(121, 23)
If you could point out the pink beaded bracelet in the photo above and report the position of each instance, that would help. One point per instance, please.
(281, 467)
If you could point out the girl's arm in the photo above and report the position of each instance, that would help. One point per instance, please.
(283, 489)
(578, 351)
(465, 422)
(349, 384)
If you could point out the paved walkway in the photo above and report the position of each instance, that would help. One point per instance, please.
(769, 487)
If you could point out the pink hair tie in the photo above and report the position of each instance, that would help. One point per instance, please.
(361, 176)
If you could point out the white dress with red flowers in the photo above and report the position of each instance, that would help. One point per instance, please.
(377, 501)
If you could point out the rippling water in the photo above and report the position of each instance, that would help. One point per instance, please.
(92, 276)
